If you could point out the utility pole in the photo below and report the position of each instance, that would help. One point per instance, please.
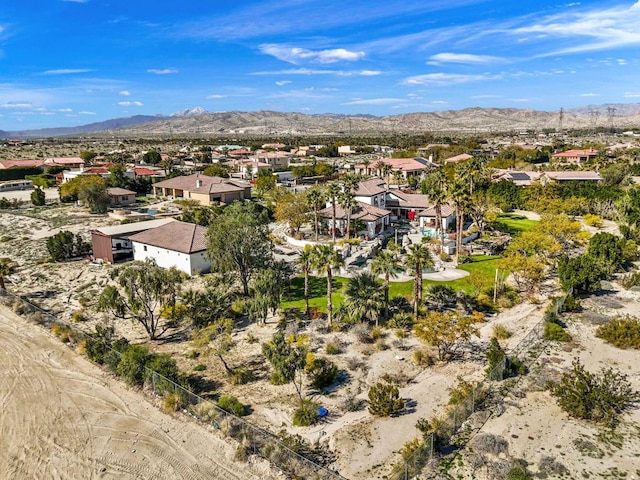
(611, 113)
(560, 118)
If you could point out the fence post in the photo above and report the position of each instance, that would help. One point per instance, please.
(153, 382)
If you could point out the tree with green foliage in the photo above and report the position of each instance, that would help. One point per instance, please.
(527, 271)
(65, 245)
(292, 208)
(363, 297)
(89, 189)
(209, 305)
(384, 400)
(268, 285)
(417, 258)
(217, 170)
(142, 291)
(621, 331)
(446, 330)
(600, 397)
(287, 359)
(607, 251)
(325, 258)
(386, 263)
(435, 186)
(88, 156)
(316, 200)
(265, 181)
(132, 364)
(581, 272)
(216, 339)
(38, 197)
(239, 241)
(321, 371)
(152, 157)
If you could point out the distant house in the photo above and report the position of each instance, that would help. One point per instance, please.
(176, 244)
(112, 244)
(525, 179)
(69, 162)
(121, 196)
(372, 192)
(407, 166)
(575, 156)
(405, 205)
(375, 219)
(204, 189)
(458, 158)
(21, 163)
(428, 218)
(147, 172)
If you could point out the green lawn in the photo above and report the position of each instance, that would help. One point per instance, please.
(484, 265)
(513, 223)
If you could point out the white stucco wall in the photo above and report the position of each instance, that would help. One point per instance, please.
(190, 264)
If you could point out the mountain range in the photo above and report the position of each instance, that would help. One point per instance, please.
(197, 121)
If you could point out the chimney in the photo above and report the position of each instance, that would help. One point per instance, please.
(198, 182)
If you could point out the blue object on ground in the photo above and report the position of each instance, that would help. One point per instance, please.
(322, 412)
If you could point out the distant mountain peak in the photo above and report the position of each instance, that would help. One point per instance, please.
(190, 112)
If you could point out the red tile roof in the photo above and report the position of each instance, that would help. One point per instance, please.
(203, 184)
(21, 163)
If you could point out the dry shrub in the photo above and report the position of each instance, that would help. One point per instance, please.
(206, 411)
(490, 443)
(362, 333)
(423, 359)
(380, 345)
(81, 348)
(550, 466)
(501, 332)
(376, 334)
(172, 402)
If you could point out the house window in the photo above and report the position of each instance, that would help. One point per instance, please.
(145, 248)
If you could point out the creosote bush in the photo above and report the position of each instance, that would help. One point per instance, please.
(384, 399)
(553, 331)
(622, 332)
(501, 332)
(599, 397)
(306, 414)
(232, 405)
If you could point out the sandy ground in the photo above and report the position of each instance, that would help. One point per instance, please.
(536, 427)
(62, 418)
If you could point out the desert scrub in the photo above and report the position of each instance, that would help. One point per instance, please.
(306, 414)
(200, 367)
(232, 405)
(384, 399)
(332, 348)
(622, 332)
(553, 331)
(172, 402)
(63, 332)
(599, 397)
(501, 332)
(423, 359)
(78, 316)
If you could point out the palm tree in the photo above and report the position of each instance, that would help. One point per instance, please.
(325, 258)
(363, 296)
(398, 177)
(333, 192)
(417, 258)
(366, 162)
(379, 166)
(436, 187)
(7, 266)
(386, 263)
(386, 171)
(460, 197)
(347, 201)
(304, 261)
(316, 199)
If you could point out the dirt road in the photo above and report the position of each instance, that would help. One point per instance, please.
(61, 417)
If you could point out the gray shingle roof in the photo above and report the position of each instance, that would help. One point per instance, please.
(177, 236)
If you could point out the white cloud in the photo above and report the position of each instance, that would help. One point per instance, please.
(163, 71)
(485, 96)
(131, 104)
(466, 58)
(65, 110)
(590, 94)
(124, 93)
(17, 105)
(375, 101)
(86, 113)
(296, 55)
(299, 71)
(444, 79)
(66, 71)
(75, 1)
(370, 73)
(215, 97)
(282, 83)
(439, 102)
(632, 94)
(604, 28)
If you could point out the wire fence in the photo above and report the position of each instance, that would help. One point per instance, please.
(453, 426)
(252, 440)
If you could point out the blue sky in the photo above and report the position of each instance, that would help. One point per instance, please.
(71, 62)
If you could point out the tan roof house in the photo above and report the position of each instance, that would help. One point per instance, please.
(374, 219)
(121, 196)
(575, 156)
(175, 244)
(204, 189)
